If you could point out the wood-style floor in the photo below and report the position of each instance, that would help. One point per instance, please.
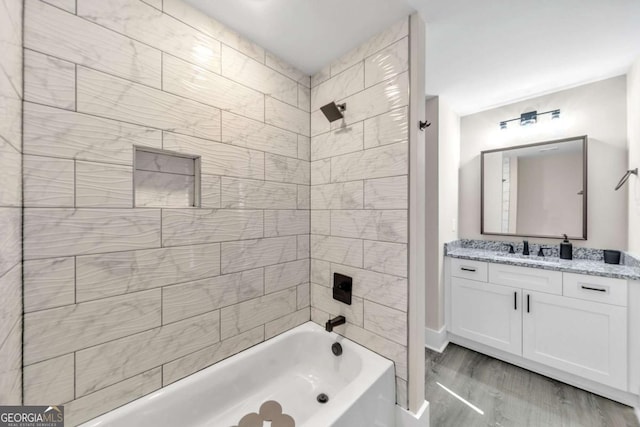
(510, 396)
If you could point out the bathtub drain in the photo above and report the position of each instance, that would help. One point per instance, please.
(322, 398)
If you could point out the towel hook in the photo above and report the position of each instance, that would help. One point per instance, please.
(626, 176)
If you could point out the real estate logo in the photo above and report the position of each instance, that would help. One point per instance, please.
(31, 416)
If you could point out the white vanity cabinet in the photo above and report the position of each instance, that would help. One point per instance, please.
(570, 326)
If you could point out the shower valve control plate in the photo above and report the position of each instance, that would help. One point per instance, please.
(342, 286)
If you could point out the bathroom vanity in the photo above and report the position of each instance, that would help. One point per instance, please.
(576, 321)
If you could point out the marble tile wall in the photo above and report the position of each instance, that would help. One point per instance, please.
(359, 195)
(121, 301)
(11, 95)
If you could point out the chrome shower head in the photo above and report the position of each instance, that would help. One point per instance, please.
(333, 111)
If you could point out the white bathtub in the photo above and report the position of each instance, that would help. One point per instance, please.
(292, 368)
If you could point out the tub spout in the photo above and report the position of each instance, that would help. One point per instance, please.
(336, 321)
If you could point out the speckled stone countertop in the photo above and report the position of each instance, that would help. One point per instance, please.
(630, 270)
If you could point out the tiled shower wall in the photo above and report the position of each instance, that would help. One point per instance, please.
(121, 301)
(10, 202)
(359, 195)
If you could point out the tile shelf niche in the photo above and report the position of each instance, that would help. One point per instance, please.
(165, 179)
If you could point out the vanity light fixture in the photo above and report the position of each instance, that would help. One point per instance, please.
(530, 118)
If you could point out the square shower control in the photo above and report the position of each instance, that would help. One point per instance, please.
(342, 286)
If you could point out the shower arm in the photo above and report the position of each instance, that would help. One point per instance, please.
(625, 178)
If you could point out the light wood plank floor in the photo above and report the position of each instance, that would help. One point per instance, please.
(510, 396)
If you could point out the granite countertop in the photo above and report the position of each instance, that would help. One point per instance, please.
(580, 266)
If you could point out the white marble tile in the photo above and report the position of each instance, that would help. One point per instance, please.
(304, 148)
(209, 26)
(319, 123)
(68, 5)
(387, 128)
(11, 242)
(149, 25)
(245, 70)
(11, 363)
(48, 182)
(343, 195)
(155, 3)
(386, 348)
(49, 80)
(337, 249)
(103, 185)
(285, 116)
(286, 222)
(105, 275)
(386, 193)
(288, 70)
(304, 98)
(384, 225)
(106, 364)
(377, 287)
(378, 99)
(106, 96)
(283, 324)
(190, 81)
(58, 331)
(11, 123)
(193, 226)
(11, 39)
(321, 76)
(243, 132)
(338, 87)
(322, 299)
(389, 160)
(303, 246)
(11, 167)
(384, 257)
(164, 162)
(248, 254)
(193, 298)
(59, 133)
(321, 171)
(252, 194)
(321, 222)
(72, 38)
(158, 189)
(303, 296)
(402, 393)
(11, 307)
(284, 276)
(386, 322)
(48, 283)
(92, 405)
(286, 169)
(210, 191)
(341, 141)
(190, 364)
(304, 197)
(218, 158)
(49, 381)
(320, 272)
(249, 314)
(371, 46)
(387, 63)
(61, 232)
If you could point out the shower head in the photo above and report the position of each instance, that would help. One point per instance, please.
(333, 111)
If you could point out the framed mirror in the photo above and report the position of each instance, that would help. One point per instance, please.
(535, 190)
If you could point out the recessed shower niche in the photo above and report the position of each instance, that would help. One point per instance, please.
(165, 179)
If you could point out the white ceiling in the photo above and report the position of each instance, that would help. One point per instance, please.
(308, 34)
(480, 53)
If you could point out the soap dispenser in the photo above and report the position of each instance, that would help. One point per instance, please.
(566, 248)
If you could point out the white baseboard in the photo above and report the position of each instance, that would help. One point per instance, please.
(436, 340)
(406, 418)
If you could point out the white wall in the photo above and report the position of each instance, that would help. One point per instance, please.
(633, 105)
(597, 110)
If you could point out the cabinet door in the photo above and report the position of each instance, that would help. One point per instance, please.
(584, 338)
(486, 313)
